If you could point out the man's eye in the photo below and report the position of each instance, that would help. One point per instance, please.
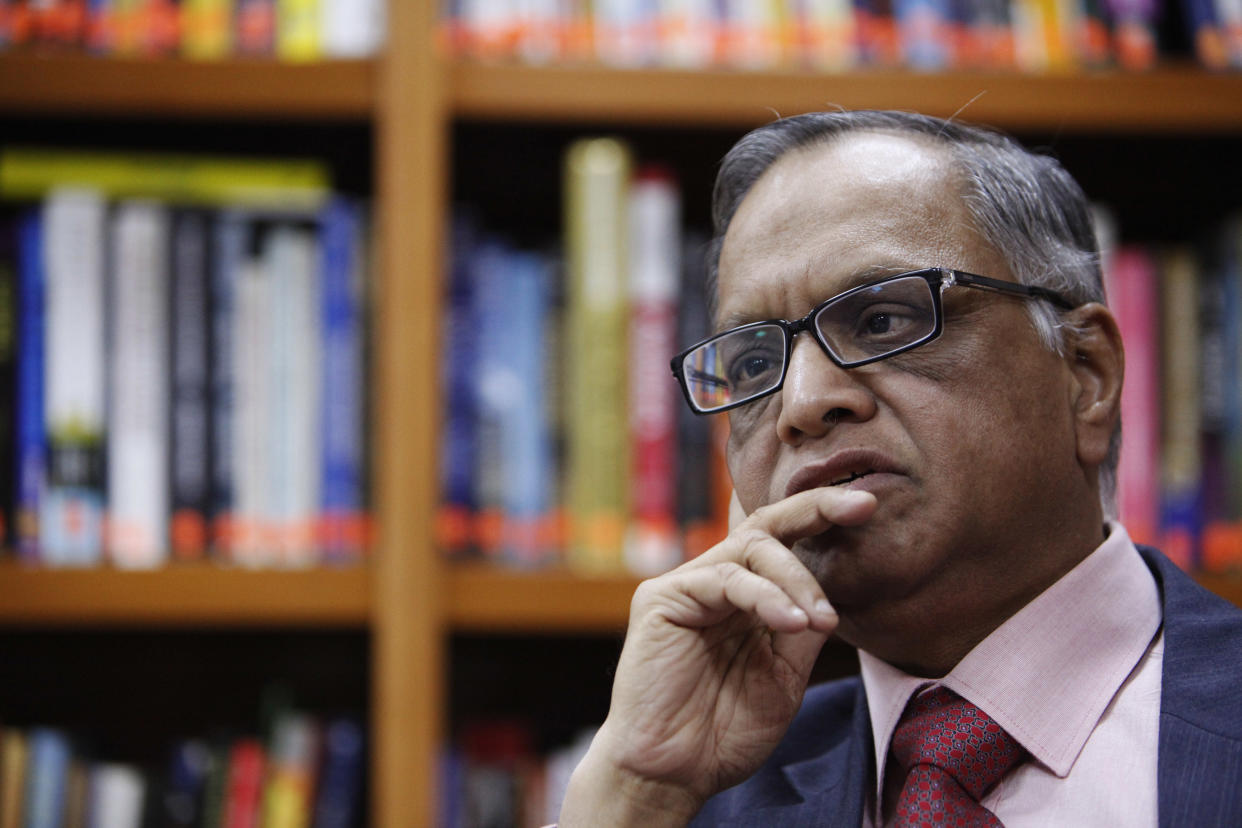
(754, 366)
(878, 323)
(887, 322)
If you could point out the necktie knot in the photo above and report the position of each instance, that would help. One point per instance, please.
(943, 735)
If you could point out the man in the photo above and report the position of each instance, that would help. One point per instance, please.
(923, 388)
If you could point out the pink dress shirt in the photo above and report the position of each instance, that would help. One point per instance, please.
(1074, 676)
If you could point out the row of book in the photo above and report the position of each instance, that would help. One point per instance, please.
(565, 438)
(186, 381)
(836, 35)
(308, 773)
(494, 777)
(292, 30)
(1180, 313)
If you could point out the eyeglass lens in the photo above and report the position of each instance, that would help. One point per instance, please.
(860, 325)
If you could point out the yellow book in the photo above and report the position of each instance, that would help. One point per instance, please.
(204, 180)
(206, 29)
(597, 180)
(297, 30)
(13, 755)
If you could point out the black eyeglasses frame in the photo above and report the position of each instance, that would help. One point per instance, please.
(938, 280)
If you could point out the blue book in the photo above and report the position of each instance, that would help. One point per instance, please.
(8, 378)
(495, 391)
(457, 434)
(342, 505)
(231, 240)
(31, 439)
(190, 382)
(340, 777)
(518, 407)
(923, 29)
(46, 777)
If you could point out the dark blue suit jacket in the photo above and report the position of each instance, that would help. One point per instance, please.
(820, 773)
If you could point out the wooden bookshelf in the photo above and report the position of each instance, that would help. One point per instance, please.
(184, 596)
(80, 84)
(1189, 99)
(406, 598)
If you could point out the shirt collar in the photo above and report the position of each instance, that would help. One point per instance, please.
(1047, 674)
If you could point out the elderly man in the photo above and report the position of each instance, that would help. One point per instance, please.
(922, 384)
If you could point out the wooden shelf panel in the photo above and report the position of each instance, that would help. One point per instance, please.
(1169, 99)
(481, 598)
(81, 84)
(184, 596)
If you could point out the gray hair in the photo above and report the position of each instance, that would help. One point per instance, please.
(1026, 206)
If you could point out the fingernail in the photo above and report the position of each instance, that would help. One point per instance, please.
(799, 613)
(822, 607)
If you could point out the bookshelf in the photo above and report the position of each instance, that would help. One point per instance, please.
(406, 602)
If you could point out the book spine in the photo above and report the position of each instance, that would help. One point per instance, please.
(496, 392)
(14, 762)
(1180, 518)
(652, 544)
(342, 533)
(352, 28)
(525, 451)
(254, 395)
(297, 30)
(231, 257)
(244, 785)
(290, 776)
(190, 416)
(46, 777)
(71, 525)
(340, 781)
(597, 180)
(8, 381)
(206, 29)
(137, 464)
(116, 796)
(255, 27)
(694, 436)
(457, 435)
(30, 426)
(1134, 294)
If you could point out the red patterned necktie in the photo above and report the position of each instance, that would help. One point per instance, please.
(952, 753)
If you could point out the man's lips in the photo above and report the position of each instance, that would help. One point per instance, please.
(841, 468)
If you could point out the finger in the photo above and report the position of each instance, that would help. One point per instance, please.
(705, 596)
(813, 511)
(771, 560)
(800, 649)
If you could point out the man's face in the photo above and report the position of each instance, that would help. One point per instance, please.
(968, 442)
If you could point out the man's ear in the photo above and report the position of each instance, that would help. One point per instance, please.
(1097, 362)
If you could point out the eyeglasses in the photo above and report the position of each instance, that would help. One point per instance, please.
(862, 325)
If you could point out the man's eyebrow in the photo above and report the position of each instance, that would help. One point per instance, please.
(861, 277)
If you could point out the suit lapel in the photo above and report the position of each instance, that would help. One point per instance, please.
(833, 785)
(1200, 754)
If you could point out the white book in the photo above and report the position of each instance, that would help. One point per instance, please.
(71, 518)
(291, 259)
(251, 401)
(352, 28)
(138, 489)
(115, 797)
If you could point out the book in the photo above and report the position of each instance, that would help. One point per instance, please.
(1181, 408)
(343, 530)
(190, 386)
(71, 522)
(339, 786)
(1134, 294)
(352, 28)
(597, 179)
(138, 377)
(460, 355)
(201, 180)
(231, 255)
(652, 543)
(47, 769)
(13, 765)
(243, 787)
(206, 29)
(255, 27)
(117, 792)
(182, 803)
(289, 777)
(30, 425)
(8, 380)
(695, 494)
(297, 30)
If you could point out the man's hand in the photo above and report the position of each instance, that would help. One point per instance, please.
(715, 664)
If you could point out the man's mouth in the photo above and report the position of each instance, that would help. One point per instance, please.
(851, 478)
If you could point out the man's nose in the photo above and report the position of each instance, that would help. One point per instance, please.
(818, 394)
